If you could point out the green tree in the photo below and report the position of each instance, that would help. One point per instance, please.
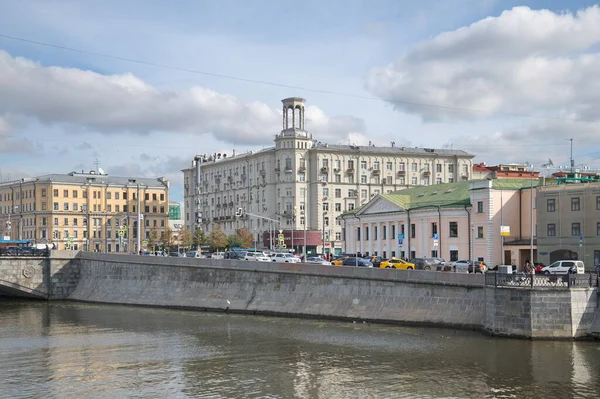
(185, 238)
(154, 238)
(218, 240)
(199, 238)
(234, 241)
(166, 239)
(246, 239)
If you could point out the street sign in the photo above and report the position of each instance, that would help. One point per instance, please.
(399, 241)
(145, 242)
(435, 236)
(400, 236)
(580, 237)
(121, 233)
(504, 230)
(280, 237)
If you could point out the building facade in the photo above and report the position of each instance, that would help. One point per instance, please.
(452, 221)
(569, 220)
(84, 211)
(503, 171)
(301, 185)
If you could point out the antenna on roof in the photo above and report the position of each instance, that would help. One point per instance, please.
(96, 163)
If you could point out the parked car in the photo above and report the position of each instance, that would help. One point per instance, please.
(318, 260)
(538, 267)
(338, 260)
(175, 254)
(354, 261)
(461, 265)
(258, 256)
(424, 263)
(194, 254)
(396, 263)
(375, 260)
(284, 258)
(563, 266)
(235, 255)
(480, 267)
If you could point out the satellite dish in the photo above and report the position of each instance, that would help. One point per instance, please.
(101, 171)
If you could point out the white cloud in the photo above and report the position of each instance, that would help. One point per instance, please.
(114, 104)
(523, 61)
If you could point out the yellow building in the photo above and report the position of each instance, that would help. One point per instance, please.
(85, 211)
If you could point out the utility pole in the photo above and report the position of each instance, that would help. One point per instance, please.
(139, 220)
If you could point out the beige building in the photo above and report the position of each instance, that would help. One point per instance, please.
(452, 221)
(569, 222)
(84, 210)
(302, 185)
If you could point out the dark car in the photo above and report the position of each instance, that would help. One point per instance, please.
(235, 255)
(425, 263)
(375, 260)
(353, 261)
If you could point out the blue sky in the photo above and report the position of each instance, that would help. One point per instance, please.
(521, 73)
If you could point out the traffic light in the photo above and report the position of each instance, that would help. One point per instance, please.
(239, 212)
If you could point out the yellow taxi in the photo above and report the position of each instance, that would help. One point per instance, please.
(395, 263)
(337, 261)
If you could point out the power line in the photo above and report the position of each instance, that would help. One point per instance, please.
(277, 84)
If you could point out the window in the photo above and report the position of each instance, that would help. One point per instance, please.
(434, 228)
(124, 196)
(44, 192)
(413, 230)
(453, 256)
(413, 167)
(388, 165)
(551, 205)
(451, 170)
(75, 222)
(351, 193)
(338, 207)
(43, 206)
(147, 196)
(575, 204)
(453, 227)
(438, 168)
(325, 192)
(338, 193)
(414, 181)
(358, 233)
(162, 209)
(402, 166)
(363, 179)
(384, 232)
(56, 206)
(366, 233)
(479, 206)
(66, 206)
(75, 194)
(426, 167)
(598, 228)
(66, 221)
(376, 165)
(598, 203)
(479, 231)
(154, 197)
(44, 221)
(363, 193)
(575, 229)
(350, 164)
(55, 192)
(363, 164)
(301, 177)
(56, 221)
(108, 195)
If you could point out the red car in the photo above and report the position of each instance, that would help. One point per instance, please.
(538, 267)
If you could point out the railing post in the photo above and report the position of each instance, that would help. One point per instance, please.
(532, 276)
(496, 279)
(590, 281)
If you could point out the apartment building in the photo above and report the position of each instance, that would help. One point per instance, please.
(85, 211)
(454, 221)
(301, 185)
(569, 221)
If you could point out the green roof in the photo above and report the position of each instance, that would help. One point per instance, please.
(514, 184)
(449, 194)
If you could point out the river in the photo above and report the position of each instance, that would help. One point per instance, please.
(80, 350)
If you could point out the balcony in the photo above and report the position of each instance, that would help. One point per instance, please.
(243, 176)
(376, 172)
(231, 203)
(336, 170)
(324, 169)
(230, 178)
(426, 173)
(263, 172)
(401, 172)
(301, 169)
(350, 170)
(288, 169)
(277, 170)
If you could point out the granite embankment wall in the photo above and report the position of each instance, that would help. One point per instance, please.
(379, 295)
(444, 299)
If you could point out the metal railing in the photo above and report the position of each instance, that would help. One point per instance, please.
(24, 251)
(522, 280)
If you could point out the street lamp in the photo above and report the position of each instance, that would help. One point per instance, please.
(323, 235)
(531, 218)
(139, 216)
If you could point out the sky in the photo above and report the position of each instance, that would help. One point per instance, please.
(138, 87)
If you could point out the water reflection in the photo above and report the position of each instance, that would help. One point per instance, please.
(73, 350)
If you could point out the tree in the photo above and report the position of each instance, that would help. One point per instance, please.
(166, 238)
(246, 239)
(234, 241)
(199, 238)
(185, 238)
(218, 238)
(154, 238)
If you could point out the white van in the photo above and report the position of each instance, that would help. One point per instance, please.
(563, 266)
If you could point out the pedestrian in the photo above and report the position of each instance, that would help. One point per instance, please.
(54, 246)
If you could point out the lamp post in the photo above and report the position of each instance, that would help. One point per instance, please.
(323, 234)
(139, 216)
(531, 218)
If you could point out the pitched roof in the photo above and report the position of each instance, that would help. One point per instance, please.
(82, 178)
(444, 195)
(514, 184)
